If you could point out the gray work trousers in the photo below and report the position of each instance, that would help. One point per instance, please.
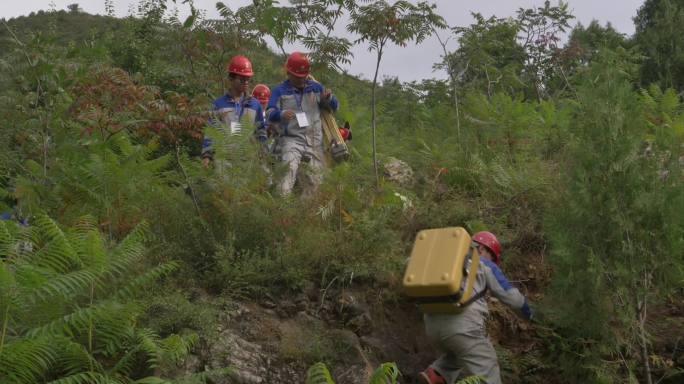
(464, 354)
(304, 163)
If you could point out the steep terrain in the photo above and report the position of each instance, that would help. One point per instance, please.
(102, 125)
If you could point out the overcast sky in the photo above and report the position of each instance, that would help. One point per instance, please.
(410, 63)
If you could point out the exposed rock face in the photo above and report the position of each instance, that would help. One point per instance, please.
(278, 339)
(247, 361)
(398, 172)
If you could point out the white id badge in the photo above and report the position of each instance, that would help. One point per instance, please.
(235, 127)
(302, 120)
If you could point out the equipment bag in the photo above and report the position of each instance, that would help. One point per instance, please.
(442, 270)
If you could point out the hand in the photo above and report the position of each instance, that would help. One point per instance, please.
(327, 93)
(206, 161)
(288, 115)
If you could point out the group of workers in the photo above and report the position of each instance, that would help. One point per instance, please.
(291, 113)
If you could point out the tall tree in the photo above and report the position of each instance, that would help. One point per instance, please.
(583, 46)
(489, 55)
(380, 23)
(74, 8)
(310, 22)
(593, 37)
(541, 29)
(659, 27)
(617, 230)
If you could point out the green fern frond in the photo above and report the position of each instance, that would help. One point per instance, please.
(73, 357)
(501, 176)
(54, 256)
(63, 286)
(51, 247)
(130, 249)
(6, 239)
(154, 166)
(88, 243)
(137, 284)
(319, 374)
(49, 230)
(326, 210)
(126, 363)
(149, 343)
(141, 233)
(176, 347)
(74, 322)
(7, 281)
(115, 333)
(86, 378)
(151, 380)
(25, 361)
(386, 373)
(85, 225)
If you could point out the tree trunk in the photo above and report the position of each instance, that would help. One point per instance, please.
(373, 129)
(641, 313)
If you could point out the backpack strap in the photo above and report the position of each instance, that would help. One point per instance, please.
(474, 298)
(452, 299)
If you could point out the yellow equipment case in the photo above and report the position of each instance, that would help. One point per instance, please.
(442, 270)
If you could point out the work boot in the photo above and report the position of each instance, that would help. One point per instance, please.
(430, 376)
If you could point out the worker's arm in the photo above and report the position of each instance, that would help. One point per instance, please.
(334, 104)
(273, 112)
(502, 289)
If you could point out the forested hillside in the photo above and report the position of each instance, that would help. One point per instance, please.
(125, 260)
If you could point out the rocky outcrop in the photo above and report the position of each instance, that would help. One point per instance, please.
(399, 172)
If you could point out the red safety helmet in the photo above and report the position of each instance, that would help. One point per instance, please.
(298, 65)
(491, 242)
(241, 66)
(261, 93)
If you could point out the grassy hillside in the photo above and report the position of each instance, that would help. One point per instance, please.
(101, 123)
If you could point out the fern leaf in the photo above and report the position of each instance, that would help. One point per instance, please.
(74, 357)
(130, 249)
(83, 378)
(64, 285)
(386, 373)
(26, 361)
(115, 333)
(55, 252)
(151, 380)
(77, 320)
(326, 210)
(6, 239)
(319, 374)
(148, 277)
(176, 347)
(149, 343)
(127, 362)
(7, 282)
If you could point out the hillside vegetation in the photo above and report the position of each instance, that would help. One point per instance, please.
(124, 259)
